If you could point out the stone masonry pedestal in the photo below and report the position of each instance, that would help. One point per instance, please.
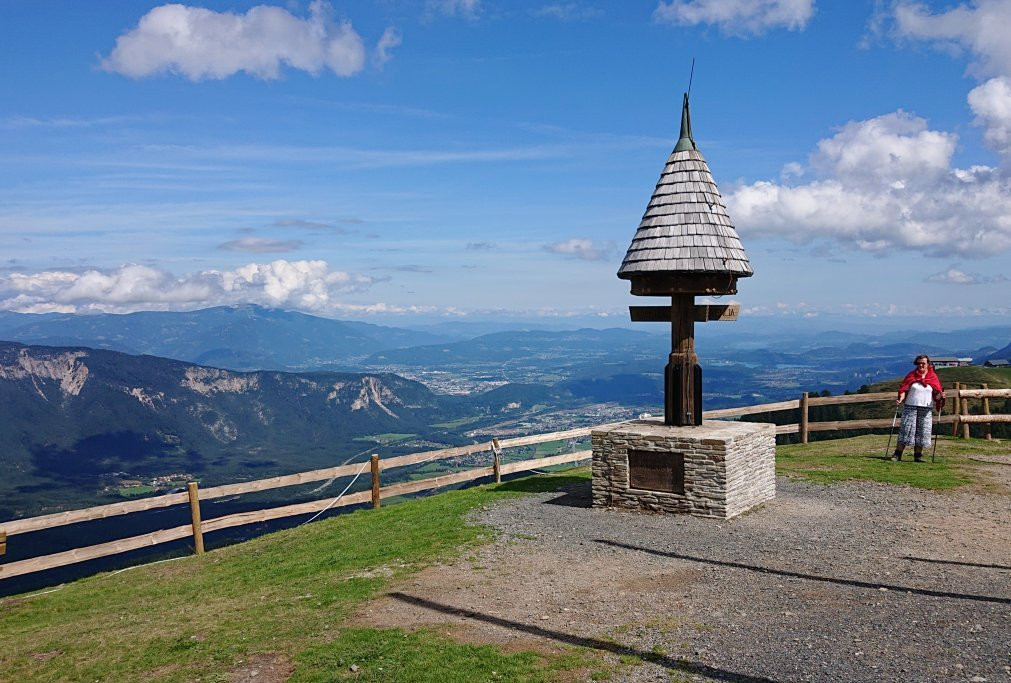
(719, 469)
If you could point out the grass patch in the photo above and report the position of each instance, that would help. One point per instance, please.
(135, 490)
(865, 457)
(283, 593)
(389, 437)
(422, 657)
(453, 424)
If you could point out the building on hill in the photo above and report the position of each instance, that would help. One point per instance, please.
(950, 362)
(997, 363)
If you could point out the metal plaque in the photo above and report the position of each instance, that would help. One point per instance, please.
(656, 471)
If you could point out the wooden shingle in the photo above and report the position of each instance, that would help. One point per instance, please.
(686, 228)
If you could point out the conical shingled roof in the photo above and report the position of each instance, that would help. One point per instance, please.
(686, 229)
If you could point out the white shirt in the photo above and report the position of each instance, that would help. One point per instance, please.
(919, 395)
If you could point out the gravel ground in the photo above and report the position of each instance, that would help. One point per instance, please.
(848, 582)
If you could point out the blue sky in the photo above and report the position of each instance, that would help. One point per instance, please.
(401, 160)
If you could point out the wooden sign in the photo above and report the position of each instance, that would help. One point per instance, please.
(702, 313)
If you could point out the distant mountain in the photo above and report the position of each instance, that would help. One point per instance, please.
(536, 347)
(244, 337)
(999, 354)
(76, 420)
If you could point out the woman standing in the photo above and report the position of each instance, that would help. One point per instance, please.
(919, 390)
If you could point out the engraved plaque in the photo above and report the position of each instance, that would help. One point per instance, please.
(656, 471)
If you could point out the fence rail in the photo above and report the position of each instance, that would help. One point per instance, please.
(960, 417)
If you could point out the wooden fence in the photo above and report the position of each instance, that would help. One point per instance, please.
(959, 416)
(197, 527)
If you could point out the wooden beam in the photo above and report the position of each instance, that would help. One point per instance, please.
(3, 542)
(701, 313)
(37, 564)
(716, 313)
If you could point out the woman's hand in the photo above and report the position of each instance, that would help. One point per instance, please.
(900, 399)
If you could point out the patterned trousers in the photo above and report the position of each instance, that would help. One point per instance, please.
(916, 426)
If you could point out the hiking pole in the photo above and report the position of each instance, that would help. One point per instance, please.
(940, 406)
(894, 417)
(933, 450)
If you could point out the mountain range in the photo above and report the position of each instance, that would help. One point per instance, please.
(246, 337)
(77, 422)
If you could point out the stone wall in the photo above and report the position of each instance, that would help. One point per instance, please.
(729, 467)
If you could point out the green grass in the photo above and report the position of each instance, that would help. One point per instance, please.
(865, 457)
(284, 593)
(453, 424)
(421, 657)
(136, 490)
(389, 437)
(289, 593)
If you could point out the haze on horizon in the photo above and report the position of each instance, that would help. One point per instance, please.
(474, 159)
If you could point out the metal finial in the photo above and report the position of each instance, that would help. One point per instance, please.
(685, 140)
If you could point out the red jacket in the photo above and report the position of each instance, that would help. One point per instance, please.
(930, 380)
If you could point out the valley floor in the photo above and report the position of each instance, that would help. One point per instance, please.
(847, 582)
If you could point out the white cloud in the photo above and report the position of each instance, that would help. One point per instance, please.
(200, 44)
(981, 27)
(885, 183)
(582, 249)
(390, 39)
(468, 9)
(259, 245)
(737, 17)
(567, 11)
(303, 285)
(954, 276)
(991, 103)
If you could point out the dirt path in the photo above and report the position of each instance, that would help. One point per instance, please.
(850, 582)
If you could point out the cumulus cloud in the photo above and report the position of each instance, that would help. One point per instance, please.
(737, 17)
(259, 245)
(954, 276)
(567, 11)
(882, 184)
(980, 27)
(200, 44)
(303, 285)
(991, 103)
(583, 249)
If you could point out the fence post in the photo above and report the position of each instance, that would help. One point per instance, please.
(198, 534)
(3, 542)
(375, 481)
(965, 425)
(986, 411)
(803, 417)
(496, 450)
(956, 406)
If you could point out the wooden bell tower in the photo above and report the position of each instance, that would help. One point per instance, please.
(685, 246)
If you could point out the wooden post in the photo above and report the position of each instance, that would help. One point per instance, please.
(496, 460)
(375, 481)
(803, 417)
(986, 411)
(3, 542)
(965, 425)
(682, 376)
(198, 534)
(956, 405)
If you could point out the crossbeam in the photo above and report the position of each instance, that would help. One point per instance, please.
(701, 313)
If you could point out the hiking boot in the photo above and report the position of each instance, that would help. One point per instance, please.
(896, 456)
(917, 458)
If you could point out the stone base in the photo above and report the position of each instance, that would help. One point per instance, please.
(729, 467)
